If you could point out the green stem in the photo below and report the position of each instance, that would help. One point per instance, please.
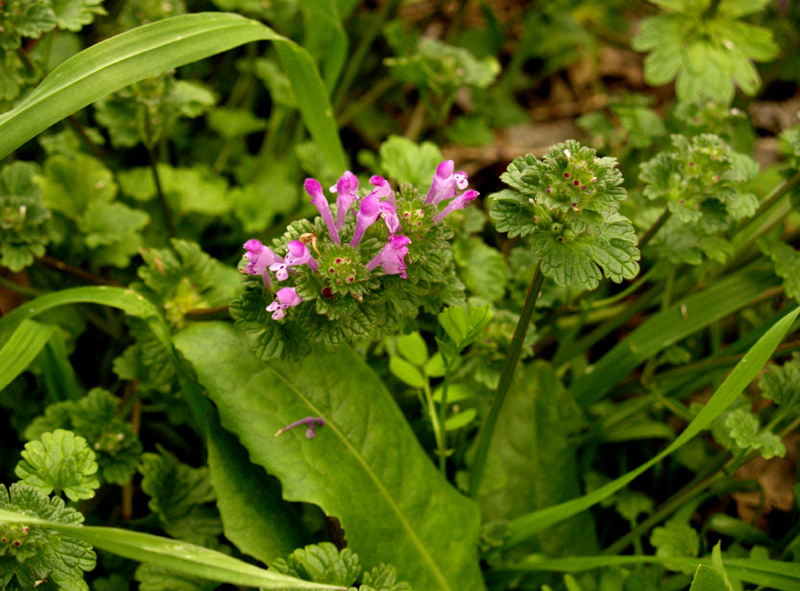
(769, 202)
(162, 199)
(386, 11)
(365, 100)
(506, 375)
(21, 289)
(632, 288)
(442, 419)
(659, 223)
(437, 427)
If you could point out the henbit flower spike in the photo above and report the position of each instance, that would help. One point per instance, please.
(298, 254)
(311, 422)
(392, 257)
(458, 203)
(285, 298)
(346, 189)
(446, 183)
(314, 189)
(259, 259)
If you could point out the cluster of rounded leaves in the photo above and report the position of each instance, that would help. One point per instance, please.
(568, 204)
(356, 271)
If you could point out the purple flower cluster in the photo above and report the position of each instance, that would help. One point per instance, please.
(378, 203)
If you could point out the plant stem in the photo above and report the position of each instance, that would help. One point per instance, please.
(365, 100)
(162, 199)
(354, 63)
(437, 426)
(442, 418)
(659, 223)
(633, 287)
(77, 126)
(711, 10)
(506, 375)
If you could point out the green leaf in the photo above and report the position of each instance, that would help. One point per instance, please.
(325, 37)
(707, 578)
(22, 348)
(23, 217)
(787, 264)
(178, 495)
(666, 328)
(675, 539)
(75, 14)
(744, 372)
(321, 563)
(233, 123)
(532, 461)
(411, 518)
(409, 162)
(255, 517)
(95, 418)
(172, 554)
(113, 231)
(744, 430)
(154, 48)
(781, 384)
(482, 268)
(158, 578)
(41, 553)
(459, 420)
(412, 347)
(406, 372)
(771, 574)
(24, 18)
(60, 462)
(462, 325)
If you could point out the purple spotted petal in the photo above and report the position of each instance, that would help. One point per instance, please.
(259, 258)
(298, 254)
(285, 298)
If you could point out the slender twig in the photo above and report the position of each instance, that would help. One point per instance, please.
(21, 289)
(417, 122)
(162, 198)
(659, 223)
(77, 271)
(506, 375)
(632, 288)
(77, 126)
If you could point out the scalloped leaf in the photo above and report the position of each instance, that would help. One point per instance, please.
(407, 515)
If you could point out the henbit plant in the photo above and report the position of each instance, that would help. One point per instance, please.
(399, 379)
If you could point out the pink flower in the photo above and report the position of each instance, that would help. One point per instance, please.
(259, 259)
(458, 203)
(347, 190)
(314, 189)
(446, 183)
(285, 298)
(391, 258)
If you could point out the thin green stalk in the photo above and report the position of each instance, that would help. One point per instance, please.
(162, 199)
(376, 91)
(711, 10)
(442, 419)
(386, 11)
(506, 375)
(659, 223)
(21, 289)
(632, 288)
(437, 426)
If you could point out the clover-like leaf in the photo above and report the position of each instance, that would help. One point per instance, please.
(675, 539)
(62, 462)
(31, 554)
(23, 234)
(746, 431)
(75, 14)
(94, 417)
(707, 53)
(321, 563)
(787, 264)
(781, 383)
(24, 18)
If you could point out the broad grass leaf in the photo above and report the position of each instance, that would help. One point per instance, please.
(22, 348)
(745, 371)
(172, 554)
(364, 466)
(151, 49)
